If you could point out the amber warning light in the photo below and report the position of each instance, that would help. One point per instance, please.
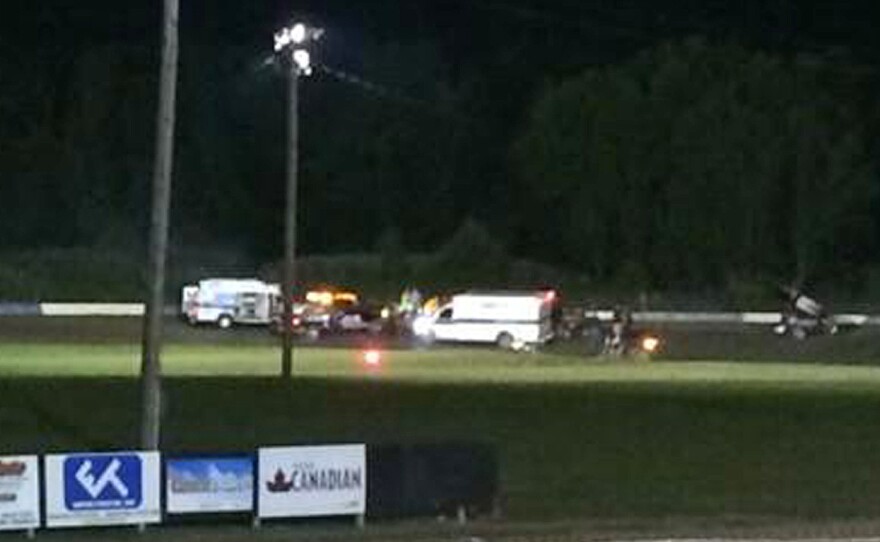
(650, 344)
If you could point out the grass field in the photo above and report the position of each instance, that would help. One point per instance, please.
(576, 438)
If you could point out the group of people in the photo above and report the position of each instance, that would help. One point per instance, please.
(410, 301)
(619, 332)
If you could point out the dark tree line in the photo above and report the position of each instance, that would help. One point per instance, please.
(690, 162)
(698, 164)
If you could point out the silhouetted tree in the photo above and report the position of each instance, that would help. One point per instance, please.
(695, 161)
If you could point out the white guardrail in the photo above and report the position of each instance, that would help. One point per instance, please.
(670, 317)
(667, 317)
(91, 309)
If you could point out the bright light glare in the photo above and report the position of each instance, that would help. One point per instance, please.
(282, 39)
(298, 33)
(302, 59)
(650, 344)
(372, 358)
(286, 36)
(320, 297)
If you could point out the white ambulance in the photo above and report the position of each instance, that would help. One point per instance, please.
(226, 301)
(508, 319)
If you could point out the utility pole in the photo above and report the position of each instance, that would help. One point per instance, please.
(290, 45)
(151, 367)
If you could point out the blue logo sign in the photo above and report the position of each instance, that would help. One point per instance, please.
(102, 482)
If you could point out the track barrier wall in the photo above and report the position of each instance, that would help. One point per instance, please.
(118, 488)
(16, 308)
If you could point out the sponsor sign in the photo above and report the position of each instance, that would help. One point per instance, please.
(300, 481)
(19, 492)
(209, 484)
(119, 488)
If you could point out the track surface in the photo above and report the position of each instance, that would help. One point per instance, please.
(706, 342)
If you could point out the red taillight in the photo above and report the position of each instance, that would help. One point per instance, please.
(549, 296)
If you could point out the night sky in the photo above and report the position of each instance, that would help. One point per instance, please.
(466, 28)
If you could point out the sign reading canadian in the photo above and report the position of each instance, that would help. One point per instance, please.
(120, 488)
(19, 492)
(209, 484)
(300, 481)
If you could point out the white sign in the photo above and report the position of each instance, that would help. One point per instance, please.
(19, 492)
(209, 484)
(302, 481)
(119, 488)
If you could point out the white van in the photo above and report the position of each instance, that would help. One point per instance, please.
(225, 302)
(508, 319)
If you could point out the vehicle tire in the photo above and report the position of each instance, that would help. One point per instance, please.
(504, 340)
(423, 341)
(224, 321)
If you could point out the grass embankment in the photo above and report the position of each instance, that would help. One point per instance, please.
(575, 439)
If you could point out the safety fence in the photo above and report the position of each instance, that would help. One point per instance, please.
(75, 309)
(670, 317)
(61, 490)
(767, 317)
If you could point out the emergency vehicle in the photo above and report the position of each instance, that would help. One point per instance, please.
(508, 319)
(314, 314)
(227, 301)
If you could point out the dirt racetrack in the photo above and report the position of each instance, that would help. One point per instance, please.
(753, 343)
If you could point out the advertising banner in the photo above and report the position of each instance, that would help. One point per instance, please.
(19, 492)
(209, 484)
(300, 481)
(118, 488)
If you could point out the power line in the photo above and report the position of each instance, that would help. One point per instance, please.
(370, 86)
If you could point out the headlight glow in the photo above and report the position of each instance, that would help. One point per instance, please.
(650, 344)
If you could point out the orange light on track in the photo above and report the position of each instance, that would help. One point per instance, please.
(372, 358)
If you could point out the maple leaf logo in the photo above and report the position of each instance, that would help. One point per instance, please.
(280, 483)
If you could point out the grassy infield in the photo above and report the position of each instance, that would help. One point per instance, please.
(575, 438)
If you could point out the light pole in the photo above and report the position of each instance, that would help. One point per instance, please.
(151, 367)
(291, 45)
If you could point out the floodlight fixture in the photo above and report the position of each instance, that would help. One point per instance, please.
(295, 34)
(298, 33)
(303, 61)
(295, 39)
